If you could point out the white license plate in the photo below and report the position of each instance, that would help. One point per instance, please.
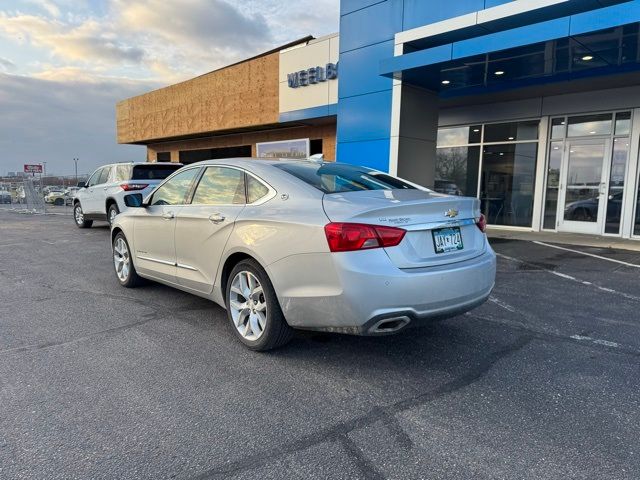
(447, 239)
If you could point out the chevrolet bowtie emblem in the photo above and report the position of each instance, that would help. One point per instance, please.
(451, 213)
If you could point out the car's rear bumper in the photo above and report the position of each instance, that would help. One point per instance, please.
(364, 293)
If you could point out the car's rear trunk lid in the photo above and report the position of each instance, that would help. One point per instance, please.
(433, 222)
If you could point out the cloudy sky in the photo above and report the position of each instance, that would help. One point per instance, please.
(65, 63)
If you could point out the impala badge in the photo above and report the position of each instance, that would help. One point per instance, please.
(451, 213)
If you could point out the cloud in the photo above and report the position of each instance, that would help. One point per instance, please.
(55, 120)
(77, 58)
(6, 64)
(86, 42)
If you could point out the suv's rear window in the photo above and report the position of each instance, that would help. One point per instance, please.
(336, 178)
(153, 172)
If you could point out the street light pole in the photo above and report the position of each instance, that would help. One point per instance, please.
(76, 162)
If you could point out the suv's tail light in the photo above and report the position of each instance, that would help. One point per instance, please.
(127, 187)
(482, 223)
(346, 237)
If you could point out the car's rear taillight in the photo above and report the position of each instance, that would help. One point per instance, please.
(127, 187)
(346, 237)
(482, 223)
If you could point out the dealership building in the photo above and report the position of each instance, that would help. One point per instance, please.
(531, 106)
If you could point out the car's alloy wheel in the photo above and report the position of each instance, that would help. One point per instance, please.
(79, 218)
(121, 259)
(78, 215)
(123, 263)
(248, 306)
(253, 308)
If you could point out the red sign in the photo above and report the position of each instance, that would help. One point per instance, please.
(33, 169)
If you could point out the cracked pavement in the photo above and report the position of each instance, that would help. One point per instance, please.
(97, 381)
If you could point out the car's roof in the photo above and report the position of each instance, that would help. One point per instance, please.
(251, 161)
(145, 163)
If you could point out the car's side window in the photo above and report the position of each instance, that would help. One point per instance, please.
(175, 190)
(94, 178)
(255, 189)
(220, 186)
(104, 175)
(122, 173)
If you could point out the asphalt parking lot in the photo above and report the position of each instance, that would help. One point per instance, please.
(97, 381)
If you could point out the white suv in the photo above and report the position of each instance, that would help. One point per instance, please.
(101, 198)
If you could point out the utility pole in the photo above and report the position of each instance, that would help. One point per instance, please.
(44, 174)
(76, 162)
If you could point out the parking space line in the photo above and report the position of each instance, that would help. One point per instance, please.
(502, 304)
(597, 341)
(586, 254)
(569, 277)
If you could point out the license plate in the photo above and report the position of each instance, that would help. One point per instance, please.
(447, 239)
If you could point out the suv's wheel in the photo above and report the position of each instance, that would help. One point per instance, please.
(112, 212)
(253, 308)
(125, 271)
(78, 217)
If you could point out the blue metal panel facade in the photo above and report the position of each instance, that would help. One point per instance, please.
(367, 31)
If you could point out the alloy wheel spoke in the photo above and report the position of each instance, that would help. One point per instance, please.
(255, 327)
(262, 319)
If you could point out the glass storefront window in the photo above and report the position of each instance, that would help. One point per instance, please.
(558, 128)
(616, 184)
(508, 176)
(623, 123)
(457, 170)
(459, 136)
(509, 132)
(636, 228)
(553, 181)
(588, 125)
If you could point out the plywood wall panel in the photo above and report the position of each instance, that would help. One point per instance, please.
(242, 95)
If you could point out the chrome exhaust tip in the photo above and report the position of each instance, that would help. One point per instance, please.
(389, 325)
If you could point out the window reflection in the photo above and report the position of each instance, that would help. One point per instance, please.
(616, 184)
(459, 135)
(588, 125)
(508, 132)
(508, 175)
(553, 181)
(220, 186)
(457, 171)
(174, 191)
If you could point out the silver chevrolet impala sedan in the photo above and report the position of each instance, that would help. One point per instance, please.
(285, 244)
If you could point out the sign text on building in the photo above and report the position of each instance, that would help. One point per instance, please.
(312, 75)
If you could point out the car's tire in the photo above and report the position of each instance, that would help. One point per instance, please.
(123, 263)
(78, 217)
(259, 309)
(112, 212)
(58, 201)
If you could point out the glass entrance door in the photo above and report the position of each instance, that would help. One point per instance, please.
(584, 186)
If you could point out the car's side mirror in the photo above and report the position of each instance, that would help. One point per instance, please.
(81, 184)
(134, 200)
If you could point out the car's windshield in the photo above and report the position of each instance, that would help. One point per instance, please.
(336, 178)
(153, 172)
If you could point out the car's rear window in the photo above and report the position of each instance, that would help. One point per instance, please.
(153, 172)
(336, 178)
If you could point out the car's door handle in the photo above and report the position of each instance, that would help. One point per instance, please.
(105, 189)
(169, 216)
(216, 218)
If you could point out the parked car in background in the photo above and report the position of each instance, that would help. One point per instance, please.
(55, 197)
(70, 194)
(5, 197)
(300, 244)
(447, 187)
(101, 198)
